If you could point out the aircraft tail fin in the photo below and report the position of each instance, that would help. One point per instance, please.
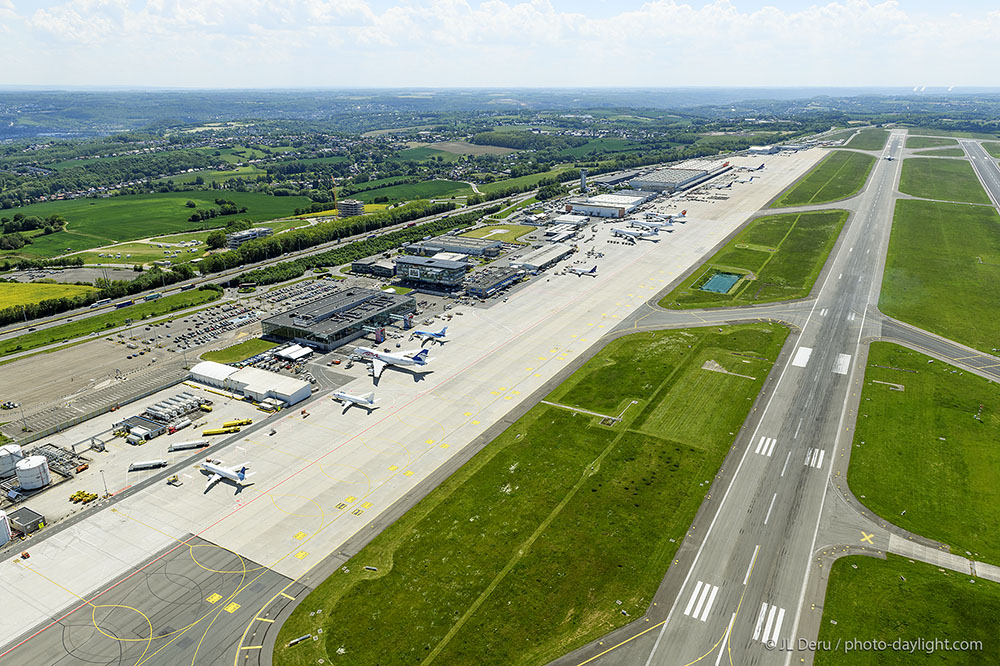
(421, 357)
(444, 329)
(242, 474)
(370, 398)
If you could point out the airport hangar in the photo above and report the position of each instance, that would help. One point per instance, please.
(618, 204)
(339, 318)
(680, 177)
(250, 382)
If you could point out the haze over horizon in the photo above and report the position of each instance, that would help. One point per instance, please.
(454, 43)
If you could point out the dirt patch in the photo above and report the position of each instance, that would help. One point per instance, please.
(713, 366)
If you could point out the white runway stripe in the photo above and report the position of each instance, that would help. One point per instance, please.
(765, 446)
(700, 603)
(760, 621)
(819, 463)
(770, 448)
(814, 458)
(842, 364)
(771, 617)
(802, 355)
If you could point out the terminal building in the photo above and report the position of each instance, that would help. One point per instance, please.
(543, 257)
(488, 282)
(252, 383)
(429, 273)
(680, 177)
(338, 318)
(350, 208)
(376, 266)
(762, 150)
(234, 240)
(607, 205)
(477, 247)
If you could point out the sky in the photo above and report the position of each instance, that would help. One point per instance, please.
(523, 43)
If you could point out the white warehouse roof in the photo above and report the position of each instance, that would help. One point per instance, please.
(210, 372)
(251, 382)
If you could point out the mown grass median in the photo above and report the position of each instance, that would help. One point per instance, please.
(240, 351)
(942, 270)
(839, 175)
(541, 541)
(946, 180)
(777, 257)
(925, 455)
(868, 599)
(102, 322)
(869, 139)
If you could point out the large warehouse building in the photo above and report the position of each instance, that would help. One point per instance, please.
(607, 205)
(253, 383)
(478, 247)
(680, 177)
(427, 272)
(542, 258)
(339, 318)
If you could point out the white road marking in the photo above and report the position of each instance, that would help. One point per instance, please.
(842, 364)
(725, 639)
(708, 606)
(802, 355)
(750, 566)
(851, 316)
(814, 458)
(694, 595)
(785, 466)
(777, 624)
(796, 435)
(760, 621)
(768, 516)
(840, 276)
(822, 313)
(701, 600)
(819, 463)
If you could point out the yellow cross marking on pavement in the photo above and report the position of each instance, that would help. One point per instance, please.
(868, 538)
(429, 441)
(300, 536)
(393, 468)
(468, 414)
(408, 472)
(444, 446)
(301, 555)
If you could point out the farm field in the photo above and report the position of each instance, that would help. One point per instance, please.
(896, 598)
(928, 142)
(95, 222)
(921, 458)
(424, 153)
(839, 175)
(428, 189)
(946, 180)
(13, 294)
(466, 148)
(112, 319)
(869, 139)
(784, 252)
(216, 176)
(560, 531)
(531, 179)
(240, 351)
(600, 146)
(933, 275)
(508, 233)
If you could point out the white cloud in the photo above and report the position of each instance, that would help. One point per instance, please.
(499, 42)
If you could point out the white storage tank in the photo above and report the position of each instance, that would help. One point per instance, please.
(33, 473)
(5, 534)
(9, 455)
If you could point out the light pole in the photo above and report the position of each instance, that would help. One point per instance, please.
(106, 493)
(24, 422)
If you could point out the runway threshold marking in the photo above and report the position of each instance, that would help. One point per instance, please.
(802, 355)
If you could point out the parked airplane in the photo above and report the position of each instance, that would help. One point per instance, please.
(346, 399)
(584, 271)
(654, 224)
(634, 234)
(433, 336)
(380, 360)
(236, 474)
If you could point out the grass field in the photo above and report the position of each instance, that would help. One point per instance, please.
(369, 208)
(869, 139)
(956, 133)
(508, 233)
(839, 175)
(99, 323)
(428, 189)
(96, 222)
(506, 212)
(466, 148)
(896, 598)
(941, 152)
(424, 153)
(947, 180)
(785, 252)
(531, 179)
(609, 145)
(215, 176)
(925, 453)
(17, 293)
(522, 554)
(141, 253)
(928, 142)
(992, 147)
(933, 275)
(240, 351)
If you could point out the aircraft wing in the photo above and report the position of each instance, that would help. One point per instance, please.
(378, 365)
(212, 480)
